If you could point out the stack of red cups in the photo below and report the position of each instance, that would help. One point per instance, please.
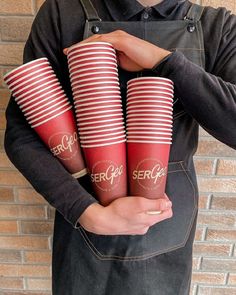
(45, 106)
(149, 134)
(98, 107)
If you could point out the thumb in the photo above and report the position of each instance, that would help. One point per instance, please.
(65, 51)
(150, 205)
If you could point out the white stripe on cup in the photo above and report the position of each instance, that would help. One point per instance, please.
(95, 93)
(106, 69)
(102, 140)
(99, 127)
(49, 113)
(101, 135)
(150, 78)
(99, 122)
(79, 85)
(95, 108)
(83, 133)
(98, 117)
(101, 145)
(52, 117)
(116, 98)
(96, 73)
(145, 141)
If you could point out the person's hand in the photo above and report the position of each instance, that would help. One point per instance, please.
(126, 216)
(133, 54)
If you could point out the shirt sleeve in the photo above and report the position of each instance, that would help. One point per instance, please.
(23, 146)
(209, 97)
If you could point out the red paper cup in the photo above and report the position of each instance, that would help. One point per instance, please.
(102, 131)
(107, 169)
(90, 54)
(51, 113)
(99, 74)
(147, 129)
(26, 79)
(94, 112)
(150, 80)
(33, 86)
(101, 122)
(107, 116)
(139, 90)
(102, 79)
(87, 65)
(46, 109)
(97, 103)
(148, 133)
(59, 134)
(115, 98)
(84, 60)
(147, 169)
(151, 84)
(28, 66)
(102, 135)
(96, 93)
(99, 87)
(88, 86)
(103, 139)
(90, 50)
(86, 46)
(139, 107)
(101, 127)
(93, 71)
(149, 125)
(148, 93)
(157, 103)
(140, 112)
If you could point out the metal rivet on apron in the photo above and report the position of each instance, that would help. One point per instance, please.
(191, 28)
(95, 29)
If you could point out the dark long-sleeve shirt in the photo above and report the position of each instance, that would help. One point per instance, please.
(207, 95)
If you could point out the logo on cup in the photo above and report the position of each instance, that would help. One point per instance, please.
(149, 173)
(106, 175)
(64, 145)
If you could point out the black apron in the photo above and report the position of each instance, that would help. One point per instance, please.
(159, 262)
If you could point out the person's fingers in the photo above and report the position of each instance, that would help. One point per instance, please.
(149, 220)
(144, 204)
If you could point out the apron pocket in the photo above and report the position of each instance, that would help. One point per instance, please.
(162, 237)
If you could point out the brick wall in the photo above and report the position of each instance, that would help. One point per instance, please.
(26, 220)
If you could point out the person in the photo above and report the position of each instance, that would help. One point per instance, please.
(120, 248)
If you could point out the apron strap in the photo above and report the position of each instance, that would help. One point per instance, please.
(195, 12)
(90, 11)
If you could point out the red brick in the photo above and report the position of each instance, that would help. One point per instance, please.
(15, 29)
(11, 283)
(38, 257)
(10, 256)
(16, 7)
(51, 212)
(221, 235)
(232, 279)
(216, 291)
(8, 227)
(203, 201)
(24, 270)
(211, 147)
(12, 178)
(22, 211)
(211, 249)
(2, 139)
(4, 99)
(39, 3)
(23, 242)
(6, 195)
(196, 262)
(30, 196)
(199, 234)
(225, 265)
(39, 284)
(218, 185)
(204, 166)
(208, 278)
(38, 228)
(216, 219)
(4, 161)
(226, 167)
(11, 54)
(2, 120)
(223, 203)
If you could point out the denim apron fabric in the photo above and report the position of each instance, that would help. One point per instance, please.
(159, 262)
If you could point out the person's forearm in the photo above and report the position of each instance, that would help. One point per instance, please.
(207, 98)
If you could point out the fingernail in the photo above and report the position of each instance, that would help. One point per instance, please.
(168, 204)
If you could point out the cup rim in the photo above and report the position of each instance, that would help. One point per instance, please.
(146, 112)
(60, 103)
(103, 139)
(155, 142)
(147, 120)
(23, 66)
(102, 135)
(95, 83)
(101, 47)
(89, 44)
(53, 79)
(109, 63)
(150, 97)
(150, 116)
(153, 106)
(52, 117)
(147, 129)
(99, 79)
(99, 127)
(60, 97)
(95, 88)
(76, 94)
(49, 113)
(39, 100)
(134, 93)
(102, 145)
(98, 117)
(95, 108)
(99, 122)
(108, 58)
(151, 82)
(78, 104)
(151, 78)
(31, 77)
(148, 132)
(150, 125)
(94, 73)
(25, 96)
(103, 130)
(157, 89)
(148, 101)
(101, 97)
(78, 54)
(101, 112)
(149, 137)
(113, 69)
